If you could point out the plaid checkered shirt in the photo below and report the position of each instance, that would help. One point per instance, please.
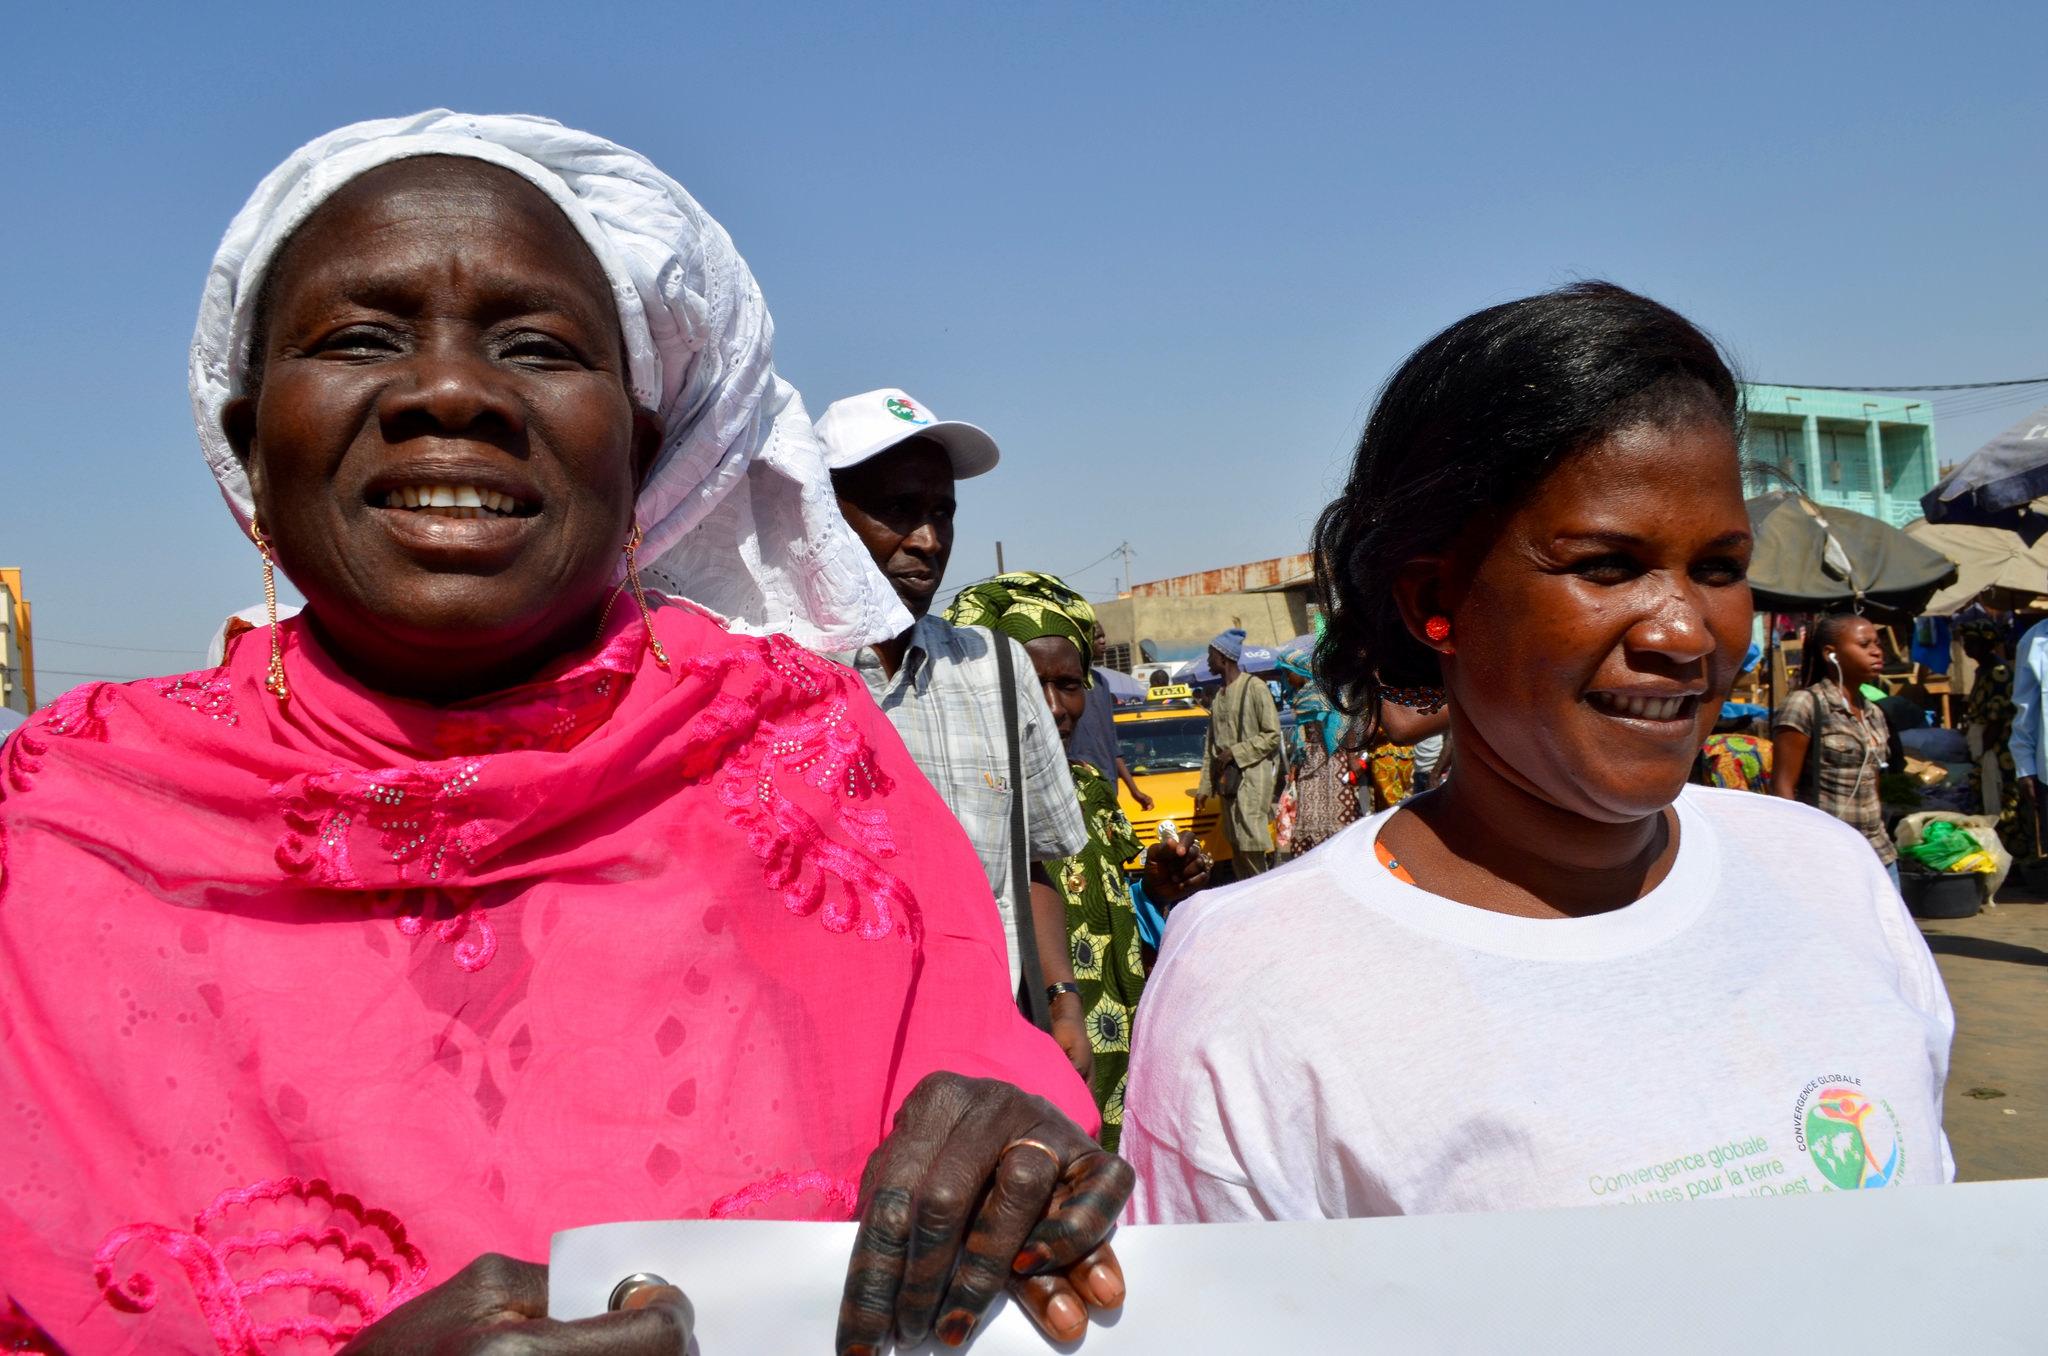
(946, 702)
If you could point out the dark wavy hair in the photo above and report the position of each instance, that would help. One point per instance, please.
(1468, 427)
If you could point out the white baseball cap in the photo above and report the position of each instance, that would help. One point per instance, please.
(866, 425)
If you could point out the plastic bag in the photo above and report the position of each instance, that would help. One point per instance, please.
(1983, 828)
(1946, 847)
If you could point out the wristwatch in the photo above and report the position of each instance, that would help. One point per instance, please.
(1053, 991)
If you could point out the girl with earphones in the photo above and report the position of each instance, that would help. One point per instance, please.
(1829, 738)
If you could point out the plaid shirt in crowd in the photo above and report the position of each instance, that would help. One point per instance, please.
(946, 702)
(1845, 757)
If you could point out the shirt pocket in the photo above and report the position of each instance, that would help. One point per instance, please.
(1841, 749)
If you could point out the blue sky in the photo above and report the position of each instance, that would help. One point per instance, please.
(1165, 253)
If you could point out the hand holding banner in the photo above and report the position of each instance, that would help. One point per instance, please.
(1914, 1269)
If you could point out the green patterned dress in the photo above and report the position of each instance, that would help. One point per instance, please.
(1102, 935)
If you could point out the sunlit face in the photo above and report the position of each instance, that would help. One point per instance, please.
(438, 331)
(1597, 631)
(1858, 649)
(1058, 664)
(900, 504)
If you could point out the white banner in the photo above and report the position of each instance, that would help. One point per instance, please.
(1910, 1270)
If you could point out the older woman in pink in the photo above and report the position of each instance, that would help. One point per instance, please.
(496, 894)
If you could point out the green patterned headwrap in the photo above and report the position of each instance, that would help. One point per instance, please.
(1025, 605)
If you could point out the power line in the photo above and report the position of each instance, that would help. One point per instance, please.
(1093, 563)
(74, 673)
(1969, 405)
(1952, 386)
(1122, 582)
(42, 639)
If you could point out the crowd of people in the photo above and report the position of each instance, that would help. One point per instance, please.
(620, 832)
(1845, 736)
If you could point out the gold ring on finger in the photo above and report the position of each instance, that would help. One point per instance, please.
(1059, 1165)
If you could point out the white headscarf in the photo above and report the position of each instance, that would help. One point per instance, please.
(738, 509)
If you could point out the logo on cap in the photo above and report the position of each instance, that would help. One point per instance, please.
(907, 411)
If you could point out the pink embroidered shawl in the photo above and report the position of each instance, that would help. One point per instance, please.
(302, 1008)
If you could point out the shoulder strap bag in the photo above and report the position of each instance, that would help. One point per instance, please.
(1227, 778)
(1809, 771)
(1035, 1001)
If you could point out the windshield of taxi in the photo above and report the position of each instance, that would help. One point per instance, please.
(1173, 745)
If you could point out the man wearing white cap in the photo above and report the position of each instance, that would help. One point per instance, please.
(894, 464)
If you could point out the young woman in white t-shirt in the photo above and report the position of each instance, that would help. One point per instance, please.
(1565, 977)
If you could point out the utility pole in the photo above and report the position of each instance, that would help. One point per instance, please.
(999, 558)
(1125, 551)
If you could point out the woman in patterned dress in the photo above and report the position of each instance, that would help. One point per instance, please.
(1102, 934)
(1056, 627)
(1324, 798)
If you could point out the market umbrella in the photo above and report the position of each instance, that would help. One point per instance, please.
(1814, 559)
(1989, 560)
(1999, 483)
(1122, 684)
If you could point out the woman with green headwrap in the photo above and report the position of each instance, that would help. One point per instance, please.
(1057, 629)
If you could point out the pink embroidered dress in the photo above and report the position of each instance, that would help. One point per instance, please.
(304, 1006)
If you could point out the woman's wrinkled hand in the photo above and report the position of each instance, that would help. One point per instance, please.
(496, 1306)
(1176, 869)
(981, 1187)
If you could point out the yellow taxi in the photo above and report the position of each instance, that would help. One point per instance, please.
(1162, 742)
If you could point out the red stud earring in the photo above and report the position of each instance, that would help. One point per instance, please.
(1438, 629)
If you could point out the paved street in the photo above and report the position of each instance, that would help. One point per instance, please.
(1996, 967)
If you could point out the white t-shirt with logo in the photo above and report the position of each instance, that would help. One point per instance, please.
(1327, 1041)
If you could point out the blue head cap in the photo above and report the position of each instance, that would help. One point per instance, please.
(1231, 643)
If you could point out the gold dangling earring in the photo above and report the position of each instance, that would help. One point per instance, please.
(273, 682)
(640, 594)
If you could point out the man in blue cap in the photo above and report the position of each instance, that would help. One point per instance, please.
(1243, 762)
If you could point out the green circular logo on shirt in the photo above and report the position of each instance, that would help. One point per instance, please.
(1852, 1137)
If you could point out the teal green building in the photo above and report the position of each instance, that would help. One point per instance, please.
(1873, 454)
